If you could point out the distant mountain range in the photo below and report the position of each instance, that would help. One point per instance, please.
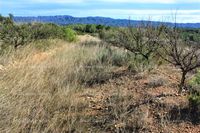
(66, 20)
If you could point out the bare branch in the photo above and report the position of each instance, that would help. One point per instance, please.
(180, 53)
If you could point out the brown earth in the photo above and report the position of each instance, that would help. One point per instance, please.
(145, 102)
(135, 102)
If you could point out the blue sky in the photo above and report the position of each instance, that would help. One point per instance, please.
(188, 11)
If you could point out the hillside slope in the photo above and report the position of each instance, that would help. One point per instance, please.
(65, 20)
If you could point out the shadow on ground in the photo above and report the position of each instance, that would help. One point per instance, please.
(186, 114)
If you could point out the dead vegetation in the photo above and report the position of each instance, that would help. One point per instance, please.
(182, 54)
(89, 87)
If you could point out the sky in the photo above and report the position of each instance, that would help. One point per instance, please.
(186, 11)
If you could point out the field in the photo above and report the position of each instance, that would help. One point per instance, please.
(42, 91)
(95, 78)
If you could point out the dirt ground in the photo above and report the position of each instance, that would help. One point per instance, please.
(148, 100)
(135, 102)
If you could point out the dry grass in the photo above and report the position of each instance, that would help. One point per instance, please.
(46, 88)
(38, 88)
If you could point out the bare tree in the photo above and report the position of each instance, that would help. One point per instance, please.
(142, 40)
(179, 53)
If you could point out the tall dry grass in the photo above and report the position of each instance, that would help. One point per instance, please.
(38, 88)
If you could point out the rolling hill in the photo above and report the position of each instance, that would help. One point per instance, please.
(66, 20)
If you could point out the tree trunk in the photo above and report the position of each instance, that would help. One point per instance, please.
(182, 83)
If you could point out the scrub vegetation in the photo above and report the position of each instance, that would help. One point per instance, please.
(96, 78)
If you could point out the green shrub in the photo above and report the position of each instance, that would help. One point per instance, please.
(100, 27)
(70, 35)
(90, 28)
(79, 28)
(195, 83)
(194, 98)
(109, 36)
(139, 64)
(120, 58)
(196, 79)
(116, 57)
(194, 104)
(46, 31)
(110, 55)
(104, 55)
(14, 35)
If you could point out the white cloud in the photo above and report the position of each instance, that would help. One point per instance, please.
(118, 1)
(152, 1)
(58, 1)
(183, 16)
(140, 1)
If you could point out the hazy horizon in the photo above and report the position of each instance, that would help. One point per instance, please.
(156, 10)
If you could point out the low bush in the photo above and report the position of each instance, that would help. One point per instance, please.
(194, 100)
(110, 55)
(16, 35)
(195, 81)
(70, 35)
(88, 28)
(46, 31)
(194, 104)
(138, 64)
(109, 36)
(116, 57)
(194, 97)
